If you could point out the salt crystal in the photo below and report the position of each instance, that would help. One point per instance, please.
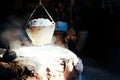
(40, 22)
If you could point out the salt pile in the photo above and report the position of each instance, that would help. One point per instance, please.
(50, 62)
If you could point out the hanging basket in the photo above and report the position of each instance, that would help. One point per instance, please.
(40, 30)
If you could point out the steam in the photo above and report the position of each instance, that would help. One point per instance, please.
(12, 33)
(52, 55)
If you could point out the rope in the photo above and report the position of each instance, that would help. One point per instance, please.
(40, 4)
(47, 12)
(32, 14)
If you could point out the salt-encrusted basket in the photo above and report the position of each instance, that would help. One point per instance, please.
(40, 31)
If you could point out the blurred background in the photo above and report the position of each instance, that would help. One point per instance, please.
(95, 22)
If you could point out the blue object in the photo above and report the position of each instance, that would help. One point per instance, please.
(61, 26)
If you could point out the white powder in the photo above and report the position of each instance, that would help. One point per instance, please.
(49, 53)
(40, 22)
(61, 62)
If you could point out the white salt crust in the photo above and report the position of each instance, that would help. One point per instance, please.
(40, 22)
(49, 53)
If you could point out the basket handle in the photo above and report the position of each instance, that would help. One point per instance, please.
(40, 4)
